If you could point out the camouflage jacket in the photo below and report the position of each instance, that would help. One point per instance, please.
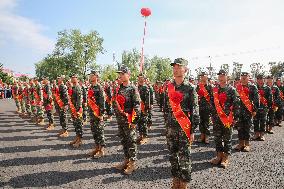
(132, 101)
(47, 97)
(108, 91)
(63, 93)
(38, 89)
(203, 103)
(189, 104)
(276, 100)
(98, 96)
(228, 98)
(151, 95)
(77, 97)
(281, 93)
(144, 95)
(267, 94)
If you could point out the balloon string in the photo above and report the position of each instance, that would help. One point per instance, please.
(142, 51)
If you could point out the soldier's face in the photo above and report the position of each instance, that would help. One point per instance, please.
(179, 71)
(269, 82)
(140, 80)
(222, 78)
(203, 78)
(278, 82)
(74, 80)
(93, 78)
(124, 77)
(260, 81)
(244, 79)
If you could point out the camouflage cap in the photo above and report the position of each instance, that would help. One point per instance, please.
(180, 61)
(278, 79)
(260, 76)
(222, 72)
(203, 73)
(61, 77)
(123, 69)
(269, 77)
(36, 78)
(73, 76)
(94, 72)
(244, 73)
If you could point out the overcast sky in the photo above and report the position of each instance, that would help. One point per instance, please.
(244, 31)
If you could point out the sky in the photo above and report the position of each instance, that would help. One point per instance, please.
(244, 31)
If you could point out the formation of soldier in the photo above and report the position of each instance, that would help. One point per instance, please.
(185, 105)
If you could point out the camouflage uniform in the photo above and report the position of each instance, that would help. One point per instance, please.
(204, 109)
(276, 102)
(279, 112)
(145, 99)
(108, 107)
(62, 91)
(260, 119)
(84, 105)
(47, 102)
(97, 125)
(126, 133)
(32, 99)
(54, 90)
(15, 90)
(178, 144)
(77, 100)
(27, 100)
(39, 109)
(222, 134)
(150, 114)
(245, 117)
(21, 99)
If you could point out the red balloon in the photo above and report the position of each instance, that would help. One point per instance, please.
(146, 12)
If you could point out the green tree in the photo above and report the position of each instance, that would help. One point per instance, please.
(277, 69)
(5, 77)
(74, 53)
(109, 73)
(131, 59)
(160, 69)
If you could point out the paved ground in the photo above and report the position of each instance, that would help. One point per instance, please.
(31, 157)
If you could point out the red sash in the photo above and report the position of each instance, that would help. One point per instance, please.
(204, 92)
(92, 103)
(175, 100)
(120, 100)
(58, 99)
(244, 97)
(261, 97)
(226, 120)
(37, 98)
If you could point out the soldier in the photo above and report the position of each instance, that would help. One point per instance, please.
(38, 101)
(76, 110)
(61, 99)
(96, 105)
(249, 102)
(204, 89)
(276, 103)
(181, 107)
(150, 114)
(126, 106)
(279, 112)
(144, 107)
(224, 116)
(32, 101)
(265, 98)
(47, 103)
(85, 105)
(21, 95)
(54, 89)
(27, 100)
(15, 93)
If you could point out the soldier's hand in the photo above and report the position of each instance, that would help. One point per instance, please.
(253, 114)
(133, 126)
(101, 118)
(66, 107)
(191, 138)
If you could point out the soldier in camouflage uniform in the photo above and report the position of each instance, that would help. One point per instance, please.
(279, 113)
(265, 104)
(39, 102)
(204, 89)
(76, 110)
(15, 91)
(47, 103)
(150, 114)
(224, 99)
(96, 106)
(181, 98)
(32, 101)
(127, 108)
(144, 106)
(21, 99)
(276, 103)
(54, 88)
(108, 105)
(62, 94)
(249, 102)
(27, 100)
(85, 105)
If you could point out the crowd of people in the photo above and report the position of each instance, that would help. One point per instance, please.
(186, 105)
(5, 90)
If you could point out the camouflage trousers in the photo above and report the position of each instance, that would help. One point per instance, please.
(18, 105)
(243, 126)
(204, 121)
(63, 119)
(128, 138)
(28, 108)
(97, 128)
(270, 118)
(142, 125)
(85, 112)
(78, 124)
(57, 108)
(50, 116)
(180, 151)
(150, 115)
(23, 106)
(279, 114)
(259, 121)
(39, 111)
(222, 137)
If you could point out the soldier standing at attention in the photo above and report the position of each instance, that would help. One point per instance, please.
(85, 106)
(279, 112)
(15, 93)
(96, 105)
(127, 108)
(150, 114)
(276, 103)
(181, 107)
(27, 100)
(144, 107)
(38, 101)
(204, 89)
(224, 115)
(249, 102)
(265, 98)
(61, 99)
(76, 110)
(47, 103)
(108, 102)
